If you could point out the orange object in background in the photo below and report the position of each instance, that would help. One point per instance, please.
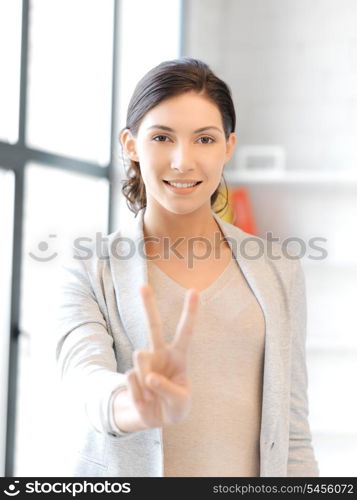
(242, 211)
(238, 211)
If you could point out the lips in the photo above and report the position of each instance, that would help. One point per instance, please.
(182, 191)
(182, 182)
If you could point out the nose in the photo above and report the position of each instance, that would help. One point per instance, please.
(182, 158)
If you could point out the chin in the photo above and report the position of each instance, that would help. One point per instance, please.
(185, 210)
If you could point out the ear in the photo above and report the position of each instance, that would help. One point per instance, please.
(128, 142)
(231, 143)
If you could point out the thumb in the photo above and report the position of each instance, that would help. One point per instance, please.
(164, 387)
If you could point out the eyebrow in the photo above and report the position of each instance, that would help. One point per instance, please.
(168, 129)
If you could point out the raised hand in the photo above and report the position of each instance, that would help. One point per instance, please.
(158, 383)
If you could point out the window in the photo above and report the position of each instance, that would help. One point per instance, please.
(70, 66)
(10, 40)
(7, 186)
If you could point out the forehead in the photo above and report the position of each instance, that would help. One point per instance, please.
(188, 110)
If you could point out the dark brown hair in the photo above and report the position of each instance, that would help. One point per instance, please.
(169, 79)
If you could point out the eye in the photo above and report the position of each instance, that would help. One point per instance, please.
(206, 137)
(161, 136)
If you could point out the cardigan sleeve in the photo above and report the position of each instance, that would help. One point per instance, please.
(301, 459)
(85, 357)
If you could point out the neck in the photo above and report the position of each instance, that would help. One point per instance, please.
(181, 228)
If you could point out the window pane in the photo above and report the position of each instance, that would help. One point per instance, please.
(10, 46)
(59, 206)
(7, 187)
(70, 77)
(162, 41)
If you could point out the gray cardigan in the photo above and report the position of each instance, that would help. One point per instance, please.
(101, 322)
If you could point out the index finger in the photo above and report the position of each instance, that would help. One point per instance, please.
(153, 319)
(185, 325)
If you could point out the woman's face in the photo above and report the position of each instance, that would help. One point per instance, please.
(181, 139)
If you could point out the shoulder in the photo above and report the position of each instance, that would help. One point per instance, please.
(87, 256)
(266, 252)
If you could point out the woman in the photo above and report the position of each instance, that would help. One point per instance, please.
(219, 388)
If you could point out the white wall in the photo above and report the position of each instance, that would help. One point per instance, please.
(292, 67)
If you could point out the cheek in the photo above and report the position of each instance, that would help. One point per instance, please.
(154, 161)
(151, 175)
(213, 168)
(214, 158)
(219, 155)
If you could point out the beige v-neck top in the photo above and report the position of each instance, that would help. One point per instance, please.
(220, 436)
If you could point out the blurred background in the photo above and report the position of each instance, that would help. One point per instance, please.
(68, 69)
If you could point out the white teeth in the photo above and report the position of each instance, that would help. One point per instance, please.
(176, 184)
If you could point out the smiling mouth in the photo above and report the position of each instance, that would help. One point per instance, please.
(170, 184)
